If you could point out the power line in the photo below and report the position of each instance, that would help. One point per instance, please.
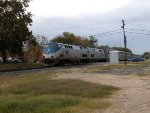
(108, 33)
(137, 33)
(137, 29)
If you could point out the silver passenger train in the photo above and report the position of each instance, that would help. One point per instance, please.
(59, 53)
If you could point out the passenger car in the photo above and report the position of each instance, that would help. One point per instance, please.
(60, 53)
(136, 60)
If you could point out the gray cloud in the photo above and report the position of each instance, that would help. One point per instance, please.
(136, 15)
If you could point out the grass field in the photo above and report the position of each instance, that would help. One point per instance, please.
(38, 93)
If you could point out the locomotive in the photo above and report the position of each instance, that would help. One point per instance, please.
(59, 53)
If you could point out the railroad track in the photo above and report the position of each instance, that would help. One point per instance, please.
(24, 69)
(44, 68)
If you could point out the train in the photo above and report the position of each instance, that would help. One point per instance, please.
(59, 53)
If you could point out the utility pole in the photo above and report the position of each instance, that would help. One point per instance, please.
(125, 41)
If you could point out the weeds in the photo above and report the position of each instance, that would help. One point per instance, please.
(112, 67)
(43, 95)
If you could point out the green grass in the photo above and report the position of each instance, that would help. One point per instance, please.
(38, 104)
(13, 80)
(7, 67)
(76, 88)
(40, 94)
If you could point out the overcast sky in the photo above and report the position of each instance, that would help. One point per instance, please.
(93, 17)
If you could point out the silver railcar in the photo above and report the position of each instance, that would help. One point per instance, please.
(64, 53)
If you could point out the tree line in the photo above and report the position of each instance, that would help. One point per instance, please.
(70, 38)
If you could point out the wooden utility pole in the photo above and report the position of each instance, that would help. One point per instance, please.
(125, 41)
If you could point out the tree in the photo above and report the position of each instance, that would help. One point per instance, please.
(42, 40)
(14, 22)
(93, 41)
(70, 38)
(67, 38)
(146, 55)
(122, 49)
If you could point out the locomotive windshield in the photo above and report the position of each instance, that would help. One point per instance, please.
(51, 48)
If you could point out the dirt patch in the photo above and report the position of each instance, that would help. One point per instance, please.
(134, 96)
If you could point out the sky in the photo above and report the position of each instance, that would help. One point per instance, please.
(100, 18)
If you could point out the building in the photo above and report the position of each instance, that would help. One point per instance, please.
(33, 54)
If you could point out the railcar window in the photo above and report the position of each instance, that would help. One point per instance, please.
(92, 55)
(84, 55)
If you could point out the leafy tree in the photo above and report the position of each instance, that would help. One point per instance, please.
(41, 40)
(93, 41)
(122, 49)
(14, 22)
(146, 55)
(70, 38)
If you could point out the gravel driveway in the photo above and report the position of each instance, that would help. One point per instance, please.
(134, 96)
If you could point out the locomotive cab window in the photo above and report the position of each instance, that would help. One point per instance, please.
(51, 48)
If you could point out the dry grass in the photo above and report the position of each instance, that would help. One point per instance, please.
(13, 80)
(142, 74)
(38, 93)
(130, 65)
